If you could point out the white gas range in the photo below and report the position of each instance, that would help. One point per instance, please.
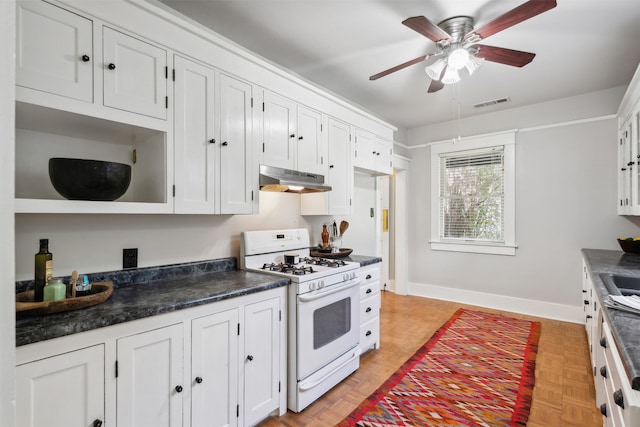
(323, 310)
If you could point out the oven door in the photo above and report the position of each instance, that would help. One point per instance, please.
(328, 322)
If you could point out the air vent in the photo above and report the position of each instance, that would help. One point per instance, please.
(492, 102)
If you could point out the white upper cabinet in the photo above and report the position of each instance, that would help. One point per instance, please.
(279, 127)
(237, 192)
(54, 51)
(292, 135)
(339, 176)
(308, 142)
(629, 149)
(195, 137)
(373, 154)
(135, 75)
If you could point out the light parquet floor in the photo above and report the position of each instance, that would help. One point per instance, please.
(563, 395)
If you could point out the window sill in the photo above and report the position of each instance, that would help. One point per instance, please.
(477, 248)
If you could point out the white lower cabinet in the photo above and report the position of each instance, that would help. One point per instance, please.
(261, 360)
(220, 364)
(370, 303)
(65, 390)
(214, 369)
(149, 378)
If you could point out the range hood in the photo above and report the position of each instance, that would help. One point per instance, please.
(279, 179)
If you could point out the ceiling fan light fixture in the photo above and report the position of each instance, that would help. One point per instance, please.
(473, 64)
(435, 70)
(458, 58)
(451, 76)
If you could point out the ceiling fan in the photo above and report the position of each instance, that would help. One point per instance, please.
(457, 43)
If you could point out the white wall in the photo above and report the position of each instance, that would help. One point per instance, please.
(7, 306)
(91, 243)
(565, 201)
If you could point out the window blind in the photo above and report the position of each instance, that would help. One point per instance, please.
(472, 195)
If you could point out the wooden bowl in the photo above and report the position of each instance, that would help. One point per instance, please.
(99, 293)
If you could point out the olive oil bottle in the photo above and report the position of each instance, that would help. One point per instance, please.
(43, 269)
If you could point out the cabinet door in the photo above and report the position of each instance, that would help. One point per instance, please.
(61, 391)
(365, 150)
(236, 160)
(309, 144)
(135, 75)
(149, 378)
(214, 370)
(261, 360)
(340, 175)
(279, 131)
(54, 51)
(384, 153)
(194, 137)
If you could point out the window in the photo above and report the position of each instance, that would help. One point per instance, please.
(472, 195)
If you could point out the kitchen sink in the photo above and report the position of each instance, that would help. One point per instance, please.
(621, 285)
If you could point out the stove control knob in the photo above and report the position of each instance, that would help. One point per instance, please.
(345, 276)
(321, 284)
(312, 286)
(353, 274)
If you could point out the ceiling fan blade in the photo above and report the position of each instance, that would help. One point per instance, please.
(514, 16)
(398, 67)
(515, 58)
(426, 28)
(436, 85)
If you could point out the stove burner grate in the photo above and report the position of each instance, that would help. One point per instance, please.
(289, 268)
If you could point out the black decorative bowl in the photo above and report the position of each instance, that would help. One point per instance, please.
(629, 245)
(80, 179)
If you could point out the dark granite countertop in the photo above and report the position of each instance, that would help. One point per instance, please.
(363, 259)
(625, 326)
(145, 292)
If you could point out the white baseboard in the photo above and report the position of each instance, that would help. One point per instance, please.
(548, 310)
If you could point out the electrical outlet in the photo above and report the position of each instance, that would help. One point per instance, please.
(130, 258)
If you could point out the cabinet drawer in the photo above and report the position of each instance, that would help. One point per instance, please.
(370, 275)
(369, 308)
(367, 291)
(370, 333)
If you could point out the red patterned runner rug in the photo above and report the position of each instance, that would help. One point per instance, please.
(476, 370)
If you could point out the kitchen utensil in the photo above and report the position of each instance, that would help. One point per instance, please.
(334, 230)
(343, 227)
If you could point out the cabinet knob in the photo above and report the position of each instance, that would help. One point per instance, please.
(368, 310)
(586, 302)
(97, 423)
(178, 389)
(603, 371)
(603, 342)
(618, 398)
(225, 143)
(212, 141)
(603, 409)
(300, 138)
(199, 380)
(330, 166)
(293, 135)
(589, 316)
(374, 153)
(249, 358)
(85, 58)
(368, 333)
(377, 153)
(368, 277)
(369, 291)
(111, 66)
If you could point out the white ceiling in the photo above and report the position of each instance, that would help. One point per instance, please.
(581, 46)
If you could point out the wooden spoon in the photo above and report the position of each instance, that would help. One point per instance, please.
(343, 227)
(74, 279)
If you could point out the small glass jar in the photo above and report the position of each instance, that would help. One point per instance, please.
(55, 290)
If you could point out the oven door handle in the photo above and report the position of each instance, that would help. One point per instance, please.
(332, 290)
(307, 385)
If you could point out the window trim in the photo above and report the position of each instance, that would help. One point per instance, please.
(482, 142)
